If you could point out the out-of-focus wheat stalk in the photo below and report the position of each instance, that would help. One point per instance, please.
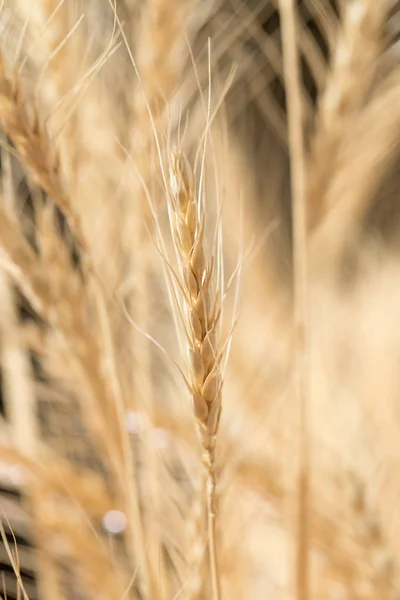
(36, 149)
(354, 66)
(300, 315)
(364, 159)
(20, 393)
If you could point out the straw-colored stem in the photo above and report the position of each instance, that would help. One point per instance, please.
(211, 522)
(296, 149)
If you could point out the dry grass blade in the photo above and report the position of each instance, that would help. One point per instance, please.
(13, 557)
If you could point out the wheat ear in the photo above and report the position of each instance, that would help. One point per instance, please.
(369, 152)
(202, 315)
(354, 66)
(35, 148)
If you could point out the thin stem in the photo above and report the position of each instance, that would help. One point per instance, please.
(298, 184)
(209, 464)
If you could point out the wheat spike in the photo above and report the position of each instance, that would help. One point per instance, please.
(35, 147)
(202, 306)
(202, 326)
(355, 64)
(364, 160)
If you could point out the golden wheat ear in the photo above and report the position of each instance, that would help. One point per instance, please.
(200, 310)
(35, 148)
(355, 65)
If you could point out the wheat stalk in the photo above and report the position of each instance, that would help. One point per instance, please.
(202, 328)
(62, 302)
(300, 311)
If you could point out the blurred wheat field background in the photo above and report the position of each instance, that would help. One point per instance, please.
(200, 299)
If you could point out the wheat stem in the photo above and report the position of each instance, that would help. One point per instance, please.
(298, 184)
(211, 516)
